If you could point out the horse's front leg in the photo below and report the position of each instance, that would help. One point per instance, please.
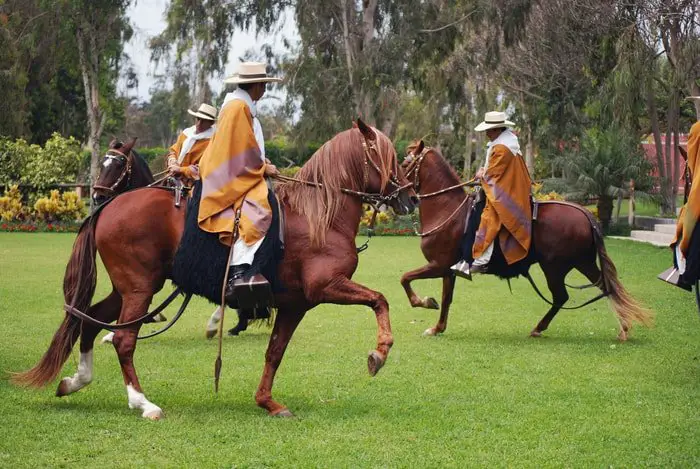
(343, 291)
(448, 287)
(427, 271)
(286, 323)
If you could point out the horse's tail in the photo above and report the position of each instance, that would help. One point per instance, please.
(78, 288)
(628, 310)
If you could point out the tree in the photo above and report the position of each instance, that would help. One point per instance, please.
(603, 166)
(100, 29)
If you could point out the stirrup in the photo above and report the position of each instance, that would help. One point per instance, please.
(461, 269)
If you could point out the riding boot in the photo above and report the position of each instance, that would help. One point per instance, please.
(247, 292)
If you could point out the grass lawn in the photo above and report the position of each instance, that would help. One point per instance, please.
(483, 394)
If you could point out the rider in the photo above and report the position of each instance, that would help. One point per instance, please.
(233, 171)
(507, 213)
(183, 158)
(686, 246)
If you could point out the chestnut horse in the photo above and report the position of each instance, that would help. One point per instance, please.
(565, 237)
(138, 233)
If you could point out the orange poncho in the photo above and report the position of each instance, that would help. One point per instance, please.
(690, 213)
(192, 157)
(507, 214)
(231, 169)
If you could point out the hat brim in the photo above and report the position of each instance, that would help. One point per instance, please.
(493, 125)
(693, 97)
(201, 116)
(234, 80)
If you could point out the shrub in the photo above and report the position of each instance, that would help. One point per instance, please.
(540, 195)
(60, 207)
(58, 162)
(11, 208)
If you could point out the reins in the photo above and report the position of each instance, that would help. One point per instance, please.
(126, 172)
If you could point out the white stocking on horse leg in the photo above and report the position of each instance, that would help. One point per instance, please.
(80, 379)
(107, 338)
(212, 325)
(137, 400)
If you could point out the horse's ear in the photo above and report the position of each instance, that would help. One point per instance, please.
(354, 124)
(366, 130)
(127, 148)
(113, 142)
(419, 149)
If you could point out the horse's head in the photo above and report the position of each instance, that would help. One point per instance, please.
(115, 171)
(383, 175)
(415, 153)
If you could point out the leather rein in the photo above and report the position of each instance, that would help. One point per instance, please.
(415, 163)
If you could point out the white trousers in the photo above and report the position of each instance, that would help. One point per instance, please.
(244, 254)
(680, 259)
(486, 256)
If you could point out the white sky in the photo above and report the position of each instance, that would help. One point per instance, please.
(147, 19)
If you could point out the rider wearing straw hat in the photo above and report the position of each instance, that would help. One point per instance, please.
(233, 171)
(686, 244)
(507, 215)
(183, 158)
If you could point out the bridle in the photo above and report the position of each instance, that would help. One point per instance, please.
(414, 165)
(126, 160)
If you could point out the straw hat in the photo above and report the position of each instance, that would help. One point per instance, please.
(205, 111)
(493, 120)
(251, 72)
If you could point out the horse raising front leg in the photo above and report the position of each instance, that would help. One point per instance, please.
(427, 271)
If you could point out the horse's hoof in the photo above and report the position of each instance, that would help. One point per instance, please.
(430, 303)
(622, 336)
(211, 333)
(430, 332)
(63, 389)
(155, 414)
(375, 362)
(535, 333)
(284, 413)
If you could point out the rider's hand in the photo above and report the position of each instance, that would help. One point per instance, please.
(175, 170)
(479, 173)
(271, 170)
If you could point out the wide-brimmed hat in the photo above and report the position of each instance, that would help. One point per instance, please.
(251, 72)
(493, 120)
(205, 111)
(693, 97)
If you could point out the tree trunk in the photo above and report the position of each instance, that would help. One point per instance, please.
(660, 164)
(605, 208)
(88, 58)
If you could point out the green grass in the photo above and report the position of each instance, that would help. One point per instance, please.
(483, 394)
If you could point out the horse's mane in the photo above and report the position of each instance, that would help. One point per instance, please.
(339, 163)
(143, 166)
(440, 171)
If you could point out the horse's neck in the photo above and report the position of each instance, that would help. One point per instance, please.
(435, 207)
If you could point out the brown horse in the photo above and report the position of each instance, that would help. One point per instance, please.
(138, 234)
(565, 237)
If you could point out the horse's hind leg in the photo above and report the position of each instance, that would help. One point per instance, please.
(427, 271)
(106, 310)
(133, 307)
(448, 287)
(286, 323)
(555, 276)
